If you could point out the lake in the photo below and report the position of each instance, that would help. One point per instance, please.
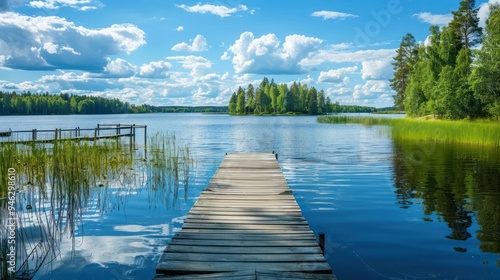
(389, 210)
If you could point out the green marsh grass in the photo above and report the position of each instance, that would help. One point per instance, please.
(169, 165)
(58, 183)
(483, 133)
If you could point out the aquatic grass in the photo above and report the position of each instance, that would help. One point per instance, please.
(342, 119)
(59, 182)
(484, 133)
(169, 165)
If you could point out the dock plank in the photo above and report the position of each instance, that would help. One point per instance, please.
(245, 225)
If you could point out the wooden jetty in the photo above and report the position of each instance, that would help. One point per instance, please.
(245, 225)
(102, 131)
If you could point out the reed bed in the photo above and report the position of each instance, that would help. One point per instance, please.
(56, 184)
(483, 133)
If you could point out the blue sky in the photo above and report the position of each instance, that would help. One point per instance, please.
(174, 52)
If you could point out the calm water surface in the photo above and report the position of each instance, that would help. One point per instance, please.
(389, 210)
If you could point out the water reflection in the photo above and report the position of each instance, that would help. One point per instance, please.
(457, 183)
(61, 187)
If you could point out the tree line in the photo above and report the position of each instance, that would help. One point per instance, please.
(27, 103)
(272, 98)
(448, 76)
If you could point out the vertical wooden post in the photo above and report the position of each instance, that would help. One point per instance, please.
(98, 129)
(131, 138)
(145, 136)
(33, 135)
(55, 135)
(321, 242)
(276, 155)
(95, 134)
(133, 132)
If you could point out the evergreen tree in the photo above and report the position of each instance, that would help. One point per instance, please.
(232, 103)
(250, 98)
(312, 101)
(465, 25)
(240, 104)
(404, 61)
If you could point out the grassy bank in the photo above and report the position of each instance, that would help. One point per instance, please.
(470, 132)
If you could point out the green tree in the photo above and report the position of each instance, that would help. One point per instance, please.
(465, 25)
(312, 101)
(405, 59)
(321, 102)
(274, 93)
(232, 103)
(240, 104)
(485, 77)
(250, 98)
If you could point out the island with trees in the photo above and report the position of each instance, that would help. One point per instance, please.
(276, 99)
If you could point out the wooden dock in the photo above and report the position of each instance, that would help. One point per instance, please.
(245, 225)
(102, 131)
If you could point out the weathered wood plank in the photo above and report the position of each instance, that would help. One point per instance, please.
(244, 243)
(242, 250)
(243, 227)
(246, 231)
(259, 222)
(261, 204)
(243, 258)
(217, 235)
(240, 211)
(250, 274)
(232, 275)
(207, 266)
(261, 217)
(268, 275)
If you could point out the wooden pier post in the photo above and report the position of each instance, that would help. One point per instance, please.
(321, 237)
(33, 135)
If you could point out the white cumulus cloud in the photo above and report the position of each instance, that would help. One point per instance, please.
(266, 54)
(434, 19)
(376, 69)
(336, 75)
(196, 64)
(119, 68)
(484, 12)
(47, 43)
(332, 15)
(331, 55)
(83, 5)
(155, 69)
(371, 89)
(217, 10)
(199, 43)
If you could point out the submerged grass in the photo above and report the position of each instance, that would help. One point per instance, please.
(484, 133)
(56, 184)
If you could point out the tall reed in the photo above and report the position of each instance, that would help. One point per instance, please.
(58, 183)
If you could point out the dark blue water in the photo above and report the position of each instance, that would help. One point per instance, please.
(389, 210)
